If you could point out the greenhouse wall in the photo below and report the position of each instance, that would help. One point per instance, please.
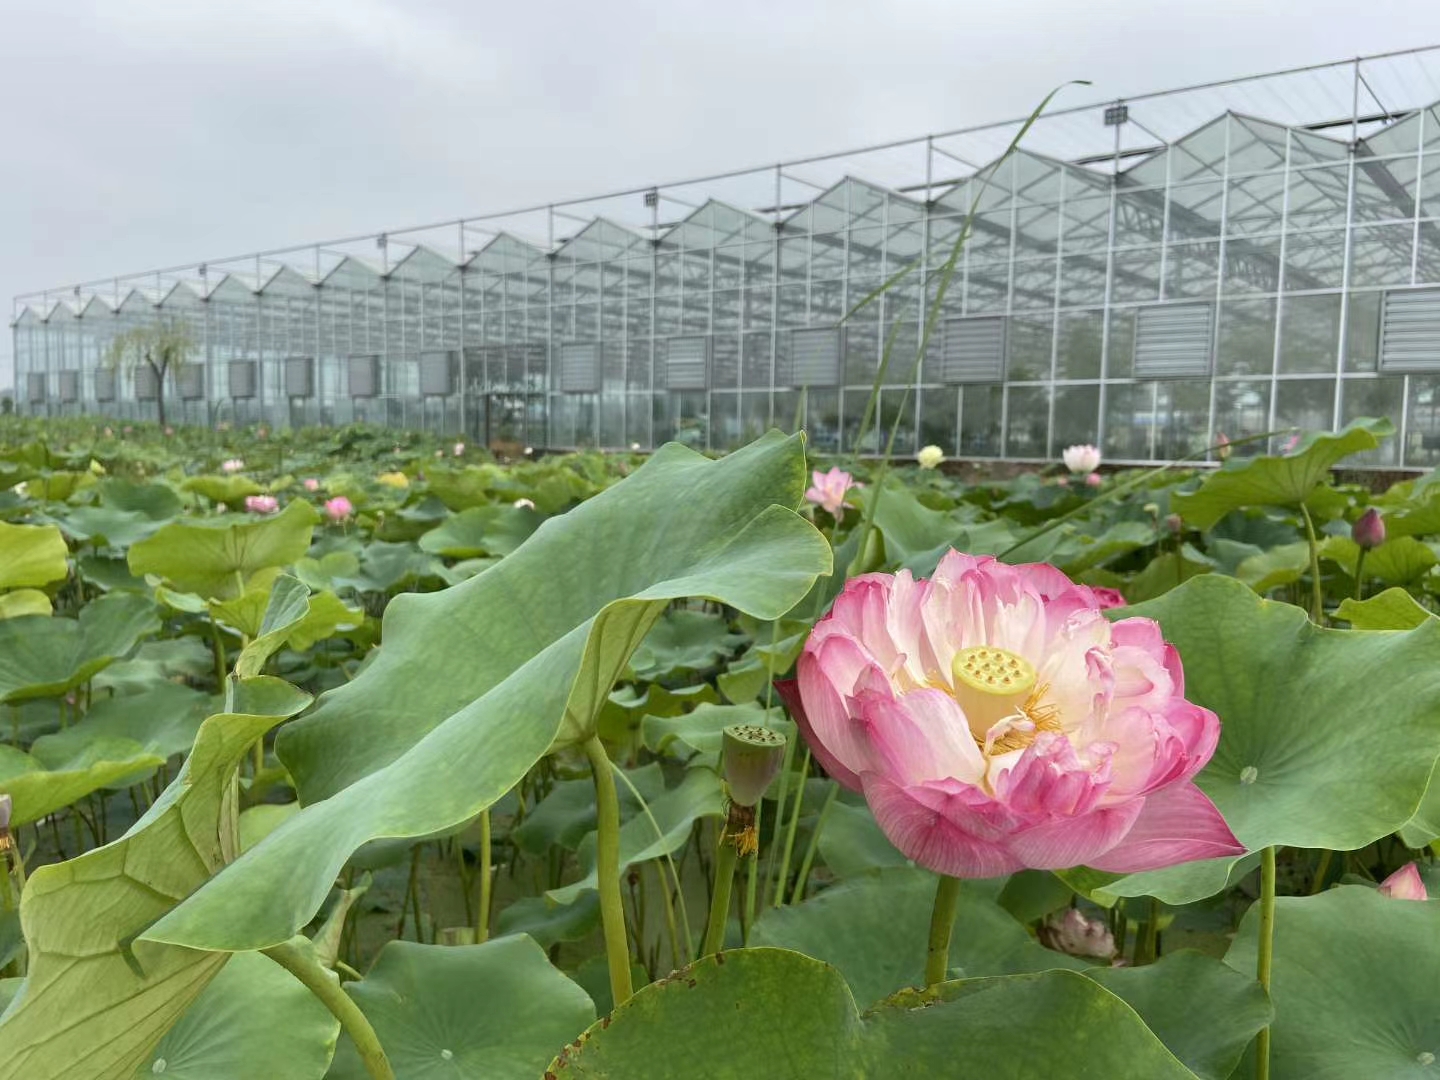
(1247, 276)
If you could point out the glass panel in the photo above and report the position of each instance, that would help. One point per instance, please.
(1199, 154)
(1195, 210)
(1027, 419)
(1362, 333)
(1385, 190)
(1427, 263)
(1182, 417)
(1035, 283)
(1139, 217)
(1082, 280)
(1307, 148)
(1030, 340)
(898, 405)
(1136, 275)
(987, 287)
(1087, 223)
(1247, 337)
(1128, 421)
(1255, 145)
(1242, 409)
(1036, 230)
(1309, 333)
(980, 411)
(989, 236)
(1381, 255)
(822, 420)
(1318, 196)
(1373, 397)
(1252, 265)
(1422, 435)
(1314, 260)
(1190, 269)
(1081, 334)
(1307, 404)
(938, 410)
(1255, 204)
(754, 415)
(1120, 362)
(1077, 414)
(1430, 181)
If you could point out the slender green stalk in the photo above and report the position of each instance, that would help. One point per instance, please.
(942, 921)
(1265, 954)
(668, 906)
(784, 874)
(720, 897)
(669, 862)
(1360, 575)
(482, 914)
(772, 857)
(298, 960)
(798, 893)
(217, 646)
(607, 869)
(1321, 871)
(1317, 596)
(752, 874)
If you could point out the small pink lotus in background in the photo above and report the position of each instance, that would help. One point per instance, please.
(827, 490)
(1081, 459)
(339, 508)
(524, 504)
(262, 504)
(233, 465)
(1405, 884)
(1369, 530)
(1063, 481)
(1222, 446)
(1074, 934)
(458, 450)
(995, 719)
(169, 431)
(1093, 480)
(1290, 444)
(312, 484)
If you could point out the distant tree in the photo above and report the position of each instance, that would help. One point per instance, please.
(160, 346)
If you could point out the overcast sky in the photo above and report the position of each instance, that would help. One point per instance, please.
(143, 133)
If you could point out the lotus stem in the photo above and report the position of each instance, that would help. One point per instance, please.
(720, 895)
(942, 921)
(1360, 575)
(298, 960)
(482, 916)
(1317, 596)
(1265, 954)
(607, 870)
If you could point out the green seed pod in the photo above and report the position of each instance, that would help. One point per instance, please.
(751, 758)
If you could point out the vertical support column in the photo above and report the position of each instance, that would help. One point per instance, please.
(1109, 291)
(1270, 418)
(775, 421)
(1342, 345)
(1219, 270)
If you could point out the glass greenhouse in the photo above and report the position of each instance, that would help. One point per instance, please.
(1146, 274)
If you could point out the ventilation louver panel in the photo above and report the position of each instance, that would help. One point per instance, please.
(437, 373)
(815, 357)
(973, 350)
(35, 387)
(1410, 331)
(190, 382)
(69, 386)
(580, 367)
(1174, 340)
(300, 376)
(363, 376)
(687, 363)
(147, 383)
(105, 384)
(242, 378)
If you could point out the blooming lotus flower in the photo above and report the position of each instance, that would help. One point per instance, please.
(339, 508)
(827, 490)
(524, 504)
(458, 450)
(311, 484)
(1081, 459)
(929, 457)
(1405, 884)
(1072, 933)
(262, 504)
(233, 465)
(995, 720)
(1368, 530)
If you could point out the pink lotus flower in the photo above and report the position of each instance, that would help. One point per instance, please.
(1081, 459)
(1405, 884)
(311, 484)
(1107, 598)
(1290, 444)
(995, 720)
(262, 504)
(339, 508)
(1093, 480)
(827, 490)
(1222, 446)
(1369, 529)
(1072, 933)
(233, 465)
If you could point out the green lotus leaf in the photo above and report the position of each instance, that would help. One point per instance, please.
(1301, 762)
(496, 1010)
(851, 842)
(44, 657)
(1288, 480)
(1403, 560)
(684, 641)
(254, 1019)
(782, 1007)
(24, 602)
(481, 530)
(474, 684)
(567, 814)
(1119, 539)
(1355, 982)
(701, 729)
(550, 923)
(1393, 609)
(163, 719)
(230, 490)
(40, 787)
(96, 1001)
(1166, 571)
(216, 560)
(1276, 567)
(31, 555)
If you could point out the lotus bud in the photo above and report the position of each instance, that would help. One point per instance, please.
(930, 457)
(1405, 884)
(1222, 446)
(1093, 480)
(458, 450)
(1072, 933)
(6, 844)
(1368, 530)
(1153, 509)
(1174, 524)
(1081, 459)
(312, 484)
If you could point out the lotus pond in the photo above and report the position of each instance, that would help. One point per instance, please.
(351, 754)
